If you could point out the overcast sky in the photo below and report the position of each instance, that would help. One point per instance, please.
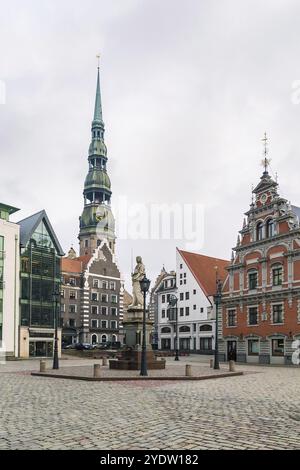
(188, 89)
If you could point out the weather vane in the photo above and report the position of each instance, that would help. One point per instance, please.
(98, 59)
(266, 161)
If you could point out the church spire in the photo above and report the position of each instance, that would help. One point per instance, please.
(98, 105)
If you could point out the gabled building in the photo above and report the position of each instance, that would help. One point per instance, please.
(92, 294)
(194, 287)
(261, 296)
(40, 255)
(9, 282)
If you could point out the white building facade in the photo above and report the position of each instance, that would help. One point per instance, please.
(9, 282)
(194, 286)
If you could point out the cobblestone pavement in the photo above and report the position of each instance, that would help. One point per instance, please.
(259, 410)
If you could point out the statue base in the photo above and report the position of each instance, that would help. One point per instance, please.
(131, 357)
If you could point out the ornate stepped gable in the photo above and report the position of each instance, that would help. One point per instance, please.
(262, 291)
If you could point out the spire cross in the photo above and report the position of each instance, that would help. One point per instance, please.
(266, 161)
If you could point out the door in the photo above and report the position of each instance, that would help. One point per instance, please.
(231, 350)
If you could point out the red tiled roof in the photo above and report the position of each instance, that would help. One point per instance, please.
(84, 259)
(204, 270)
(71, 265)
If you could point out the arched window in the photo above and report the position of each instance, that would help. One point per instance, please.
(114, 338)
(103, 338)
(94, 339)
(259, 231)
(166, 329)
(270, 228)
(206, 328)
(184, 329)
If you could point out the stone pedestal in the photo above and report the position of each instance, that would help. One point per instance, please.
(131, 357)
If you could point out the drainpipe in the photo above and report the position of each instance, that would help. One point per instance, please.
(16, 325)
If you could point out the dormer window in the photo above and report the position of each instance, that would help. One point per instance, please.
(259, 231)
(270, 228)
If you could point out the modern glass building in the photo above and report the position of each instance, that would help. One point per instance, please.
(40, 277)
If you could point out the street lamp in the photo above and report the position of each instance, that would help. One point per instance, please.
(173, 303)
(56, 297)
(145, 284)
(217, 298)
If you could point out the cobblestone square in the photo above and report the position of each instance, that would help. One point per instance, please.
(259, 410)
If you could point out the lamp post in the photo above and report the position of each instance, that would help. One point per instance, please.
(145, 284)
(173, 303)
(217, 299)
(56, 295)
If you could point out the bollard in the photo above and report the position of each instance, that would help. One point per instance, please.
(231, 366)
(188, 370)
(104, 361)
(42, 366)
(211, 363)
(96, 370)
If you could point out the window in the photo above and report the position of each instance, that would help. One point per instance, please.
(181, 296)
(86, 243)
(94, 310)
(166, 329)
(62, 293)
(252, 277)
(184, 274)
(194, 327)
(94, 296)
(277, 275)
(253, 347)
(201, 310)
(103, 310)
(205, 344)
(72, 294)
(187, 310)
(104, 285)
(181, 276)
(94, 323)
(112, 285)
(163, 313)
(72, 308)
(103, 338)
(113, 311)
(253, 320)
(259, 231)
(194, 291)
(163, 298)
(114, 299)
(181, 266)
(187, 296)
(104, 297)
(184, 282)
(184, 329)
(270, 228)
(277, 347)
(103, 324)
(72, 281)
(181, 283)
(72, 322)
(94, 339)
(181, 311)
(95, 283)
(231, 317)
(194, 307)
(205, 328)
(277, 313)
(168, 298)
(113, 324)
(98, 242)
